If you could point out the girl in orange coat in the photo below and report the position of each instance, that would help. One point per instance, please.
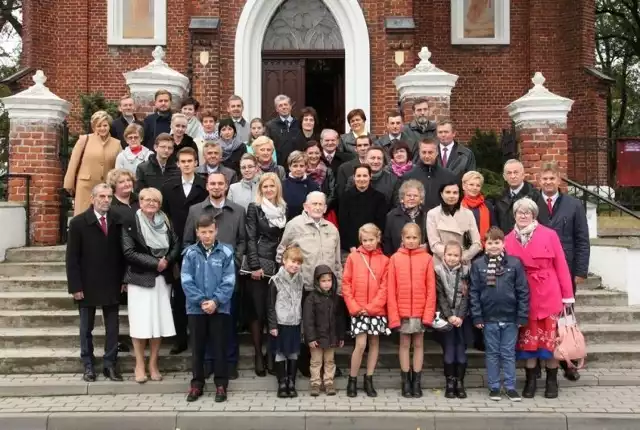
(364, 289)
(411, 301)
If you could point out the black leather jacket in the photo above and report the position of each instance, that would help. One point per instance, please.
(262, 239)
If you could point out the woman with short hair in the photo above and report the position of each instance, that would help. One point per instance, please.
(135, 153)
(232, 147)
(400, 155)
(308, 123)
(358, 122)
(264, 149)
(181, 139)
(475, 201)
(93, 156)
(410, 210)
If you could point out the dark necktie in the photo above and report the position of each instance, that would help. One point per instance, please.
(444, 156)
(103, 224)
(549, 205)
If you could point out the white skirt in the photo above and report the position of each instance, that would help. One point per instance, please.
(149, 311)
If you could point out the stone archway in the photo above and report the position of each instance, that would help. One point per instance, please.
(250, 33)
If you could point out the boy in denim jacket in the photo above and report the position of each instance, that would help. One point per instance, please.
(208, 279)
(499, 299)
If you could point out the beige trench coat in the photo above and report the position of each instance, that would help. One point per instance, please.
(83, 174)
(443, 228)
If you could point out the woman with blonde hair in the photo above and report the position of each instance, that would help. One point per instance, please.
(181, 139)
(473, 200)
(266, 218)
(263, 149)
(91, 159)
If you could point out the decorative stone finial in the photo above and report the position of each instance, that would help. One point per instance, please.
(538, 80)
(39, 79)
(425, 80)
(158, 55)
(37, 102)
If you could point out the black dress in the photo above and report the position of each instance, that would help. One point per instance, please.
(357, 208)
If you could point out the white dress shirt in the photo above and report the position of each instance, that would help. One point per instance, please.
(187, 184)
(517, 190)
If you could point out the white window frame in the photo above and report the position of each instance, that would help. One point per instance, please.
(503, 25)
(115, 19)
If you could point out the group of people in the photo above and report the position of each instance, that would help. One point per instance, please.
(314, 238)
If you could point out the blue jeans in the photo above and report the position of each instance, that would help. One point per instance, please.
(500, 351)
(232, 338)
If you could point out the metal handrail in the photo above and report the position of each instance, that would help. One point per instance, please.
(27, 179)
(610, 202)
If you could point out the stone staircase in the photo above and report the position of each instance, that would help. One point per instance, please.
(39, 324)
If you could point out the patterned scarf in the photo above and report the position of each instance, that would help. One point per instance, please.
(494, 268)
(400, 170)
(318, 173)
(228, 147)
(412, 213)
(524, 234)
(270, 167)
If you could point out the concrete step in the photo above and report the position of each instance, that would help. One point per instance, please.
(32, 269)
(36, 254)
(591, 283)
(67, 360)
(607, 314)
(30, 283)
(47, 318)
(600, 297)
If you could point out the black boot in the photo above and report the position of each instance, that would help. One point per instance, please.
(461, 370)
(406, 384)
(352, 386)
(538, 369)
(292, 370)
(368, 386)
(570, 373)
(416, 387)
(551, 386)
(530, 384)
(283, 390)
(270, 359)
(450, 389)
(304, 360)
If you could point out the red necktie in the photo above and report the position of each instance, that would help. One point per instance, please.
(444, 157)
(549, 205)
(103, 224)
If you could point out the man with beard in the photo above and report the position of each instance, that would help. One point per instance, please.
(420, 128)
(230, 220)
(160, 121)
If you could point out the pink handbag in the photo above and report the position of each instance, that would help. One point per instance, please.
(570, 344)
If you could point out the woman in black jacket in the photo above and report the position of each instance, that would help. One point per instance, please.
(180, 137)
(360, 205)
(150, 249)
(232, 148)
(266, 218)
(411, 196)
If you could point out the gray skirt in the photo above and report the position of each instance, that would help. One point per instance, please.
(411, 326)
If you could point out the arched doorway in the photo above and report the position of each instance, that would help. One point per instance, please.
(255, 32)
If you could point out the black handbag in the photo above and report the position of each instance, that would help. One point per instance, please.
(269, 267)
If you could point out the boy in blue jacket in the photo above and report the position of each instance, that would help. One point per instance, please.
(208, 279)
(499, 299)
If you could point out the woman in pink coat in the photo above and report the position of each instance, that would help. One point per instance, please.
(550, 290)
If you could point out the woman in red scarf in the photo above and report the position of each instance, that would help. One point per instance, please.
(474, 200)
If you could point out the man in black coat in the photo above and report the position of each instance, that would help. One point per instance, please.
(160, 167)
(451, 154)
(160, 121)
(517, 188)
(429, 174)
(568, 218)
(178, 195)
(95, 269)
(126, 118)
(285, 131)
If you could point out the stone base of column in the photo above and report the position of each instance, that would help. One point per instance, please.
(540, 145)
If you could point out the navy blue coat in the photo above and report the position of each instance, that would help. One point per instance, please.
(569, 220)
(294, 193)
(507, 301)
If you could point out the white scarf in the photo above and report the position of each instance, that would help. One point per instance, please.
(524, 234)
(154, 232)
(276, 215)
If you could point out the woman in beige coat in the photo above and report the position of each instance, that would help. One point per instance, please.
(93, 156)
(451, 222)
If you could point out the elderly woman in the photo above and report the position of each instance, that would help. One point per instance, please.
(134, 154)
(244, 191)
(550, 289)
(232, 147)
(411, 195)
(150, 249)
(473, 200)
(400, 158)
(357, 121)
(266, 219)
(321, 174)
(451, 222)
(181, 139)
(257, 128)
(91, 159)
(308, 122)
(263, 149)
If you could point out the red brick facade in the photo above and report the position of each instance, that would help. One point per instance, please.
(551, 36)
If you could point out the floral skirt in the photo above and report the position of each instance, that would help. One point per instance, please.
(375, 326)
(537, 339)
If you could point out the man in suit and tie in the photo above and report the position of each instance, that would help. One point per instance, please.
(127, 109)
(394, 131)
(568, 218)
(178, 195)
(95, 268)
(451, 154)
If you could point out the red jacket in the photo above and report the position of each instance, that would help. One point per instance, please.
(360, 289)
(411, 284)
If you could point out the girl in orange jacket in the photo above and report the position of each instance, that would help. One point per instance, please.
(411, 302)
(364, 289)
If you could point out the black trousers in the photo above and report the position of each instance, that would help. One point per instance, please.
(179, 308)
(212, 328)
(112, 328)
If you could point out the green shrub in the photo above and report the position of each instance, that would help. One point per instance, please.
(93, 102)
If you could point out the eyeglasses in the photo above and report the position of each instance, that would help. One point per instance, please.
(133, 137)
(149, 200)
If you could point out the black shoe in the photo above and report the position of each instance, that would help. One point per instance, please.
(233, 371)
(450, 388)
(258, 365)
(283, 388)
(530, 384)
(112, 374)
(406, 384)
(292, 370)
(461, 370)
(123, 347)
(178, 347)
(513, 396)
(221, 395)
(368, 386)
(495, 395)
(271, 363)
(89, 374)
(570, 373)
(551, 385)
(416, 388)
(194, 394)
(352, 386)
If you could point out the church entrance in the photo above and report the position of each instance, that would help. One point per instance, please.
(303, 57)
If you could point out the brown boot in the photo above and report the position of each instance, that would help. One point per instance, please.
(315, 391)
(330, 390)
